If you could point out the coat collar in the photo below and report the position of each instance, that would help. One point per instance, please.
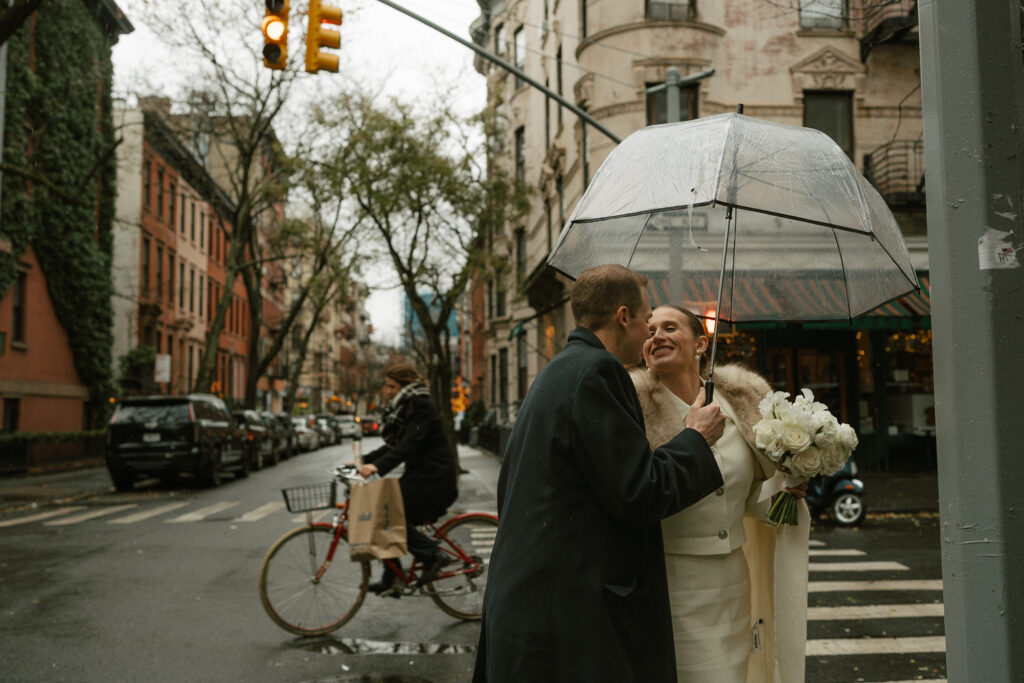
(584, 335)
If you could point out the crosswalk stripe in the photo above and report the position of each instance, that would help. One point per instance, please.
(895, 585)
(930, 680)
(260, 512)
(146, 514)
(92, 514)
(41, 516)
(874, 646)
(856, 566)
(837, 553)
(203, 513)
(874, 611)
(815, 543)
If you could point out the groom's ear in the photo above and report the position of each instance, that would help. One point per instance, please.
(622, 316)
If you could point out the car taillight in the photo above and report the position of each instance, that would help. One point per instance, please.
(252, 437)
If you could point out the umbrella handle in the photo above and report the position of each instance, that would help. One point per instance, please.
(709, 391)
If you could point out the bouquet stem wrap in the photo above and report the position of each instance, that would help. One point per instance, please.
(784, 508)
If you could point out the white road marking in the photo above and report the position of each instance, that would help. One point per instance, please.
(857, 567)
(874, 646)
(92, 514)
(837, 553)
(260, 512)
(40, 516)
(874, 611)
(146, 514)
(201, 514)
(815, 543)
(896, 585)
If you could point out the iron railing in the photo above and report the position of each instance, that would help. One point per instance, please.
(896, 169)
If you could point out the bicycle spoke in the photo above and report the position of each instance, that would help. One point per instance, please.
(469, 542)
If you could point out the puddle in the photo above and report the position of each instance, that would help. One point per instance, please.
(361, 646)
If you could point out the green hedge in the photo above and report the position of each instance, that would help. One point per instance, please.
(15, 447)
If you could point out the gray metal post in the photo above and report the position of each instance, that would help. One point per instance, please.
(972, 83)
(672, 93)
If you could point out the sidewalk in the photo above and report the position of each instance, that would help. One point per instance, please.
(902, 492)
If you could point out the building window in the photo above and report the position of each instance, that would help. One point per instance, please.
(170, 277)
(547, 219)
(560, 188)
(519, 45)
(522, 365)
(192, 230)
(191, 289)
(499, 39)
(12, 414)
(18, 307)
(147, 184)
(181, 284)
(823, 14)
(558, 81)
(503, 376)
(159, 271)
(145, 266)
(201, 289)
(583, 18)
(191, 366)
(202, 230)
(657, 104)
(494, 380)
(490, 299)
(520, 256)
(160, 193)
(547, 116)
(499, 298)
(171, 206)
(831, 112)
(521, 154)
(671, 10)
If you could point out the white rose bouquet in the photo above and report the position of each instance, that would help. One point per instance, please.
(803, 436)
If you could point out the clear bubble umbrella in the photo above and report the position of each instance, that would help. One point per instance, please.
(740, 220)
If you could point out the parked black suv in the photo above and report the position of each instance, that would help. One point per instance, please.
(168, 436)
(259, 438)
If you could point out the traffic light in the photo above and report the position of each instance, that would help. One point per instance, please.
(275, 34)
(318, 37)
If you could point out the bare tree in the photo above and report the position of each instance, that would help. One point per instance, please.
(414, 177)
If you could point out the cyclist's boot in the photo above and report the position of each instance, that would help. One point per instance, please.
(387, 580)
(431, 568)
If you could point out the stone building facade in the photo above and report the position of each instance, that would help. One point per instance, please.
(849, 68)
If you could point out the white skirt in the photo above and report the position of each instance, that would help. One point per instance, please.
(710, 598)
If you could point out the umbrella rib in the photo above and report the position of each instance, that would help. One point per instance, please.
(639, 236)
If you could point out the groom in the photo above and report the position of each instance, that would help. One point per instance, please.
(576, 588)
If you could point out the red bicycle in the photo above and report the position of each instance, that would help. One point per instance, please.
(309, 591)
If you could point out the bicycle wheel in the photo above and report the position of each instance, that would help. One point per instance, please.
(462, 594)
(292, 594)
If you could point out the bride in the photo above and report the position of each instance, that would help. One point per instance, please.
(737, 585)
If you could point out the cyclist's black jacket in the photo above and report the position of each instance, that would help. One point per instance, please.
(577, 588)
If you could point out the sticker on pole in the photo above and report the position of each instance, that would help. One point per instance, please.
(996, 251)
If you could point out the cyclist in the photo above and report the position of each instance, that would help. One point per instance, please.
(414, 434)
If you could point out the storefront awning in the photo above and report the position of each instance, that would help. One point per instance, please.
(911, 310)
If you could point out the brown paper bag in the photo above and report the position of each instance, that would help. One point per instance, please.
(376, 521)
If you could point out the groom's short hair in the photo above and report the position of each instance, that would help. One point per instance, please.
(599, 291)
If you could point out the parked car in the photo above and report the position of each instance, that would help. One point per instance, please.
(259, 441)
(349, 426)
(170, 436)
(328, 437)
(307, 437)
(370, 425)
(289, 429)
(330, 424)
(280, 431)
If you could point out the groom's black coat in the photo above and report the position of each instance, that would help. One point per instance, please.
(576, 587)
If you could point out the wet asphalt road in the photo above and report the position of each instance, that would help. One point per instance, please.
(172, 597)
(175, 599)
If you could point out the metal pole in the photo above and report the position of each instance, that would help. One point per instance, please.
(972, 84)
(490, 56)
(672, 94)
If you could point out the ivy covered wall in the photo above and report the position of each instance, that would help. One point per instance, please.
(60, 176)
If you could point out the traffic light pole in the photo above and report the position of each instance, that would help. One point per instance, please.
(490, 56)
(972, 85)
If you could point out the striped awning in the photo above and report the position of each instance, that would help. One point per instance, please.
(816, 300)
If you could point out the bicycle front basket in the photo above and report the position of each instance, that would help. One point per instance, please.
(310, 497)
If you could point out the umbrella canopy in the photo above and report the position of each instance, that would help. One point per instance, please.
(809, 238)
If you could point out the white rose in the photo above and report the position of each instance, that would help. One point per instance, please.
(806, 463)
(774, 405)
(795, 439)
(763, 434)
(847, 437)
(826, 434)
(833, 458)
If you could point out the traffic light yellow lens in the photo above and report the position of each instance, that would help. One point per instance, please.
(273, 28)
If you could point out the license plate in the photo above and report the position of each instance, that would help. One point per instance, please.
(150, 437)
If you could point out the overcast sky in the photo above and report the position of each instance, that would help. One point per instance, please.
(380, 46)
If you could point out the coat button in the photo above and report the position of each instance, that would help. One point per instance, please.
(720, 491)
(723, 534)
